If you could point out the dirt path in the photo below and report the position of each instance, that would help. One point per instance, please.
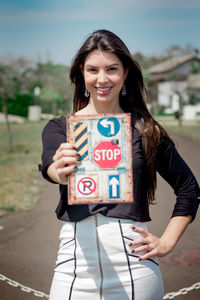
(181, 268)
(28, 247)
(29, 240)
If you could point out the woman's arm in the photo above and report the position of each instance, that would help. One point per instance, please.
(176, 172)
(160, 246)
(179, 176)
(58, 157)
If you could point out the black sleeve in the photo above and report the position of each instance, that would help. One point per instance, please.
(54, 134)
(176, 172)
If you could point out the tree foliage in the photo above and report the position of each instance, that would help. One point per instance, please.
(21, 76)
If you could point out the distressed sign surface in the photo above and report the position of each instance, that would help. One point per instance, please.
(105, 145)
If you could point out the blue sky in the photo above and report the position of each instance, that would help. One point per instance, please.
(36, 27)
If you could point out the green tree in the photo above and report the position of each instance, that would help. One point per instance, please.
(8, 85)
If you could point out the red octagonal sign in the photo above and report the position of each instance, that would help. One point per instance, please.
(107, 155)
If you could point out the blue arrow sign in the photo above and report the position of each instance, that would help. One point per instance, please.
(108, 126)
(114, 190)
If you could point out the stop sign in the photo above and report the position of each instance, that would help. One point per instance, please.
(107, 155)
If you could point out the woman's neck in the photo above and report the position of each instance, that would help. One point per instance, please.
(92, 109)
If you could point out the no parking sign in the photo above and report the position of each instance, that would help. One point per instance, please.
(105, 145)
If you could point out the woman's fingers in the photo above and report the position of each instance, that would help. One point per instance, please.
(65, 149)
(64, 146)
(146, 239)
(71, 153)
(64, 161)
(148, 255)
(63, 172)
(147, 243)
(66, 155)
(140, 230)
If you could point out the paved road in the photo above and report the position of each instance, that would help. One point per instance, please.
(29, 240)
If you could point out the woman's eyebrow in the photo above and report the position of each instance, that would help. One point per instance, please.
(90, 66)
(112, 65)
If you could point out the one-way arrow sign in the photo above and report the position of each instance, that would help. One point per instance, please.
(114, 189)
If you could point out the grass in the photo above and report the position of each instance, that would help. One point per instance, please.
(189, 129)
(20, 184)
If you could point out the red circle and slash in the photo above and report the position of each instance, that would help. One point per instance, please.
(86, 186)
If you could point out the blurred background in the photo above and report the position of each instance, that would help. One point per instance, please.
(38, 41)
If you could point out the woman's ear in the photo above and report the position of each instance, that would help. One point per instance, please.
(81, 68)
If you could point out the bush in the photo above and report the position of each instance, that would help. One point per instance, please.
(19, 105)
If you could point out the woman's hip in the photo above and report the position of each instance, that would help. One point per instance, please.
(95, 253)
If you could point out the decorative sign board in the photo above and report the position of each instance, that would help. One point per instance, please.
(105, 145)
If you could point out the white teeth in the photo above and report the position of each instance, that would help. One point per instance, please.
(103, 89)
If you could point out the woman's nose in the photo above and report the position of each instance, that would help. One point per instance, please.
(102, 77)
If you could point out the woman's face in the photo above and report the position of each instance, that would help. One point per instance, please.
(104, 76)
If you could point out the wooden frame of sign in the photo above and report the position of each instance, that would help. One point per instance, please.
(104, 142)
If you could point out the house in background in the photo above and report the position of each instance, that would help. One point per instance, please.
(193, 85)
(173, 80)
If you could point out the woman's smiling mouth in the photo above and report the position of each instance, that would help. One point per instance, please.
(103, 90)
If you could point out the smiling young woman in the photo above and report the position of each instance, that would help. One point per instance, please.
(106, 251)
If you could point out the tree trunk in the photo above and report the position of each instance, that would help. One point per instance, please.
(181, 110)
(10, 137)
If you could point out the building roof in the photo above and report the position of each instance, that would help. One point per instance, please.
(193, 81)
(170, 64)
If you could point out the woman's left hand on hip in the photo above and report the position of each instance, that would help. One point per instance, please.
(151, 244)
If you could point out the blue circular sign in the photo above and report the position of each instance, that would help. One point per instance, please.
(108, 126)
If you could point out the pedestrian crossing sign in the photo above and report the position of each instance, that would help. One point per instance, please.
(104, 143)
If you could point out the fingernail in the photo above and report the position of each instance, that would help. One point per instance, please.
(75, 167)
(78, 158)
(133, 227)
(139, 258)
(130, 244)
(75, 148)
(133, 251)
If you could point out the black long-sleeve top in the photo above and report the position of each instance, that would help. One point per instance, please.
(169, 164)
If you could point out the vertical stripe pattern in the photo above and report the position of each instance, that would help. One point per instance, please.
(71, 289)
(81, 139)
(128, 262)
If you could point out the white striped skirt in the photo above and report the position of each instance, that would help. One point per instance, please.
(95, 263)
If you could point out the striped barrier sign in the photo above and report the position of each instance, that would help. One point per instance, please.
(81, 139)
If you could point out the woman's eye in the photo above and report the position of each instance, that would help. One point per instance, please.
(112, 69)
(92, 70)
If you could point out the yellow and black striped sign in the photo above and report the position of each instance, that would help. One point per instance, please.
(81, 139)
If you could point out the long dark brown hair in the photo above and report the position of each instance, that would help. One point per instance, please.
(134, 102)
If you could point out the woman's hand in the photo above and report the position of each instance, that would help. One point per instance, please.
(161, 246)
(153, 245)
(65, 162)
